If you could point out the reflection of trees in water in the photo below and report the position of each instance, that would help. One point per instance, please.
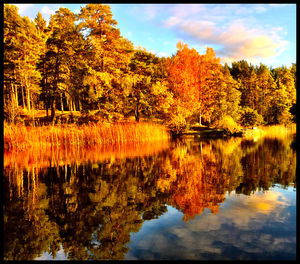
(95, 208)
(28, 231)
(92, 209)
(273, 161)
(200, 176)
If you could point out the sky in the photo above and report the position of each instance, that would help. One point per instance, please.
(258, 33)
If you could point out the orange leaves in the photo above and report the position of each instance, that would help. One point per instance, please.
(193, 181)
(193, 77)
(210, 56)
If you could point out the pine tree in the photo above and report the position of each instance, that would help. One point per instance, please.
(107, 58)
(12, 47)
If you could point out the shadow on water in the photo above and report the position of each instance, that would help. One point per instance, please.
(89, 202)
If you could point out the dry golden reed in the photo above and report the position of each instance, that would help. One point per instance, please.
(21, 137)
(273, 131)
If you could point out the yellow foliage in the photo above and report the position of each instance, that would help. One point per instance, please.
(228, 124)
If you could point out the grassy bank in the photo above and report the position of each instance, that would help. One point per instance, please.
(273, 131)
(21, 137)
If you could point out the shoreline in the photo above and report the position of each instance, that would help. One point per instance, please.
(260, 131)
(21, 137)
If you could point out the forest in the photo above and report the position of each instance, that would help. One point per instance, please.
(80, 63)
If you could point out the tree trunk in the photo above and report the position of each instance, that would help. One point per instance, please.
(71, 105)
(23, 97)
(33, 114)
(68, 99)
(52, 110)
(79, 106)
(14, 92)
(15, 89)
(200, 118)
(137, 113)
(28, 98)
(61, 103)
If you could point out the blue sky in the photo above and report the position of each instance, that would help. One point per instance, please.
(255, 32)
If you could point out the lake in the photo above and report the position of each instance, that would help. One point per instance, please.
(189, 199)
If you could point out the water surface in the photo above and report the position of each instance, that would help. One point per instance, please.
(224, 199)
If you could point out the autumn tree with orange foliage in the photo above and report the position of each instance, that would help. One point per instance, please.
(194, 80)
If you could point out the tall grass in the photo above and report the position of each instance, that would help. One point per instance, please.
(279, 130)
(21, 137)
(273, 131)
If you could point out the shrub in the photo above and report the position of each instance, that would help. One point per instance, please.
(177, 124)
(178, 119)
(250, 117)
(228, 124)
(285, 118)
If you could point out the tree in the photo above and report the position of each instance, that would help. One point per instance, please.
(210, 73)
(108, 55)
(244, 73)
(250, 117)
(183, 75)
(227, 110)
(147, 86)
(194, 79)
(23, 44)
(284, 95)
(59, 60)
(40, 23)
(12, 47)
(33, 47)
(265, 86)
(228, 97)
(293, 109)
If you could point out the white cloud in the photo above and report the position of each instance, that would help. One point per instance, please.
(244, 221)
(199, 29)
(162, 54)
(23, 7)
(172, 21)
(237, 38)
(47, 11)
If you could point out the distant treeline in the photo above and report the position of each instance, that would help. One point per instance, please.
(80, 62)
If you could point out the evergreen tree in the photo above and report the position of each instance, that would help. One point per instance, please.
(228, 97)
(107, 59)
(284, 95)
(12, 48)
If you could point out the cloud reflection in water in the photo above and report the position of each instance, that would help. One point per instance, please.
(246, 227)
